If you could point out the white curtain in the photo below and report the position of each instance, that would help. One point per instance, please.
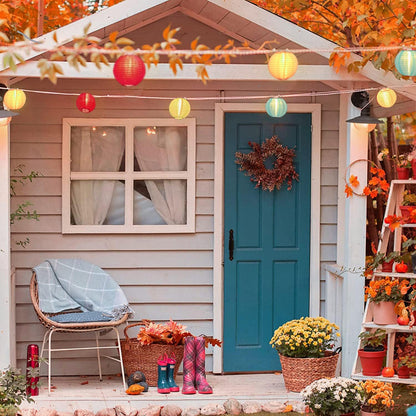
(99, 150)
(164, 151)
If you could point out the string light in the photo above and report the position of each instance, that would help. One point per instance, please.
(179, 108)
(283, 65)
(386, 97)
(405, 63)
(85, 102)
(129, 70)
(276, 107)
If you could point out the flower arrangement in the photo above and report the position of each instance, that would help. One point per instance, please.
(402, 161)
(409, 198)
(378, 396)
(333, 396)
(377, 259)
(386, 290)
(305, 337)
(169, 333)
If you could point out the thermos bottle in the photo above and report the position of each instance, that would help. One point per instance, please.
(32, 362)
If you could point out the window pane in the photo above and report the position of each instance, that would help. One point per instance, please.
(97, 202)
(160, 148)
(97, 149)
(160, 202)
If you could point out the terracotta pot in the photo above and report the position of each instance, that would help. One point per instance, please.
(348, 414)
(364, 413)
(371, 362)
(387, 266)
(403, 173)
(403, 372)
(413, 169)
(383, 313)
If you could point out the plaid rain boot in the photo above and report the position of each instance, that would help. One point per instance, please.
(162, 382)
(200, 380)
(189, 366)
(171, 367)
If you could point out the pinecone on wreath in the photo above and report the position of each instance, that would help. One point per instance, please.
(254, 164)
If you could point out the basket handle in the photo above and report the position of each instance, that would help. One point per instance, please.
(142, 322)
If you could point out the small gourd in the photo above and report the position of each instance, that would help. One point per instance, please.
(135, 389)
(145, 385)
(135, 378)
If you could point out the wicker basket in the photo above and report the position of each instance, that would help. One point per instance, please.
(144, 358)
(300, 372)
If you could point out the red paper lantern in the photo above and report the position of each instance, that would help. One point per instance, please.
(86, 102)
(129, 70)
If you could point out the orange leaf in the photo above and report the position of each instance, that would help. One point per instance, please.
(354, 181)
(288, 408)
(348, 191)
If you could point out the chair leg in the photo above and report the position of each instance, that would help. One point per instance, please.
(98, 355)
(50, 359)
(120, 355)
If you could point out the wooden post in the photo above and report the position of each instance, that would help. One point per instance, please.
(351, 231)
(5, 285)
(41, 17)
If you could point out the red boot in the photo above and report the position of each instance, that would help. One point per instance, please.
(189, 366)
(200, 380)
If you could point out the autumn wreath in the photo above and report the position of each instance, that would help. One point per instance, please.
(254, 164)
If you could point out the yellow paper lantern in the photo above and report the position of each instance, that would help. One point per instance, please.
(14, 99)
(386, 97)
(179, 108)
(283, 65)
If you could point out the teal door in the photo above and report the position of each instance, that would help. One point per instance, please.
(266, 280)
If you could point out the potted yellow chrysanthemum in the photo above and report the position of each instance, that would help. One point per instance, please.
(304, 346)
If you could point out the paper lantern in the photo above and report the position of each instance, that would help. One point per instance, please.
(129, 70)
(179, 108)
(276, 107)
(405, 63)
(4, 121)
(386, 97)
(283, 65)
(14, 99)
(85, 102)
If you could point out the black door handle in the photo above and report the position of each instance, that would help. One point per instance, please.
(231, 245)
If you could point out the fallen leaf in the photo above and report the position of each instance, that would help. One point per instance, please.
(84, 382)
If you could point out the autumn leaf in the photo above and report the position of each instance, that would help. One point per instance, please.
(348, 191)
(354, 181)
(393, 221)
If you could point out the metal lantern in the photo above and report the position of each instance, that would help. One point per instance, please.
(179, 108)
(405, 63)
(129, 70)
(283, 65)
(85, 102)
(276, 107)
(14, 99)
(386, 97)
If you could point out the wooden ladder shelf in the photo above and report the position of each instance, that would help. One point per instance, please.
(394, 200)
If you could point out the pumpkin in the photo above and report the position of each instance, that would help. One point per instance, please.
(401, 268)
(135, 389)
(136, 378)
(387, 372)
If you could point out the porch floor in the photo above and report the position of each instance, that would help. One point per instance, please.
(89, 393)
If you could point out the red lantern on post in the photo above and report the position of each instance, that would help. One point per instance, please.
(129, 70)
(86, 102)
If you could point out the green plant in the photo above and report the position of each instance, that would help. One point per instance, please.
(333, 396)
(305, 337)
(408, 361)
(12, 391)
(379, 258)
(373, 340)
(22, 211)
(409, 198)
(402, 161)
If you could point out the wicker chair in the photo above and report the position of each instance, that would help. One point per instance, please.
(95, 327)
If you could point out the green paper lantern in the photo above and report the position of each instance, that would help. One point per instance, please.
(276, 107)
(405, 63)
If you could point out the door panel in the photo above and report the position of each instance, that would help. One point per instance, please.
(267, 282)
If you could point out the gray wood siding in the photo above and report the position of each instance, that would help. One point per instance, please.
(164, 276)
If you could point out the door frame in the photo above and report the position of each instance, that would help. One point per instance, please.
(218, 255)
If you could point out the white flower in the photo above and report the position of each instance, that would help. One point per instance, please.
(317, 406)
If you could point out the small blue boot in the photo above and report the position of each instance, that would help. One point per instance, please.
(162, 381)
(170, 377)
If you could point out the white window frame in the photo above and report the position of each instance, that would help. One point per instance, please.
(129, 176)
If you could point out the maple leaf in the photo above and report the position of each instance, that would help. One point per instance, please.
(393, 221)
(348, 191)
(354, 181)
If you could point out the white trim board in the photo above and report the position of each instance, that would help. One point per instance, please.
(218, 283)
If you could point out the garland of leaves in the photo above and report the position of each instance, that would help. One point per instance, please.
(283, 169)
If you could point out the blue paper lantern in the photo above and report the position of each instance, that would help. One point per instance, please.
(276, 107)
(405, 63)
